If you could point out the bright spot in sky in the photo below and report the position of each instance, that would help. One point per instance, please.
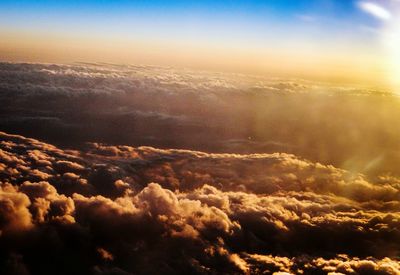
(375, 10)
(391, 41)
(390, 36)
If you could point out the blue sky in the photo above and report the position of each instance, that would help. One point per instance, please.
(221, 14)
(317, 31)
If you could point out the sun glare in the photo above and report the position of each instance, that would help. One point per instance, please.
(391, 40)
(388, 13)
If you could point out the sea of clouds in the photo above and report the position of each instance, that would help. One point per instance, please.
(141, 210)
(351, 127)
(156, 170)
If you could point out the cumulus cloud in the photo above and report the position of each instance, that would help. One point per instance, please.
(141, 210)
(14, 213)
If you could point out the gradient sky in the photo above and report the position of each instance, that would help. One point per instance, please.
(329, 39)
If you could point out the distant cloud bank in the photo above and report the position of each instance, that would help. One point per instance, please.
(349, 126)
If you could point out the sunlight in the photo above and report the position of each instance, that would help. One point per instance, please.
(391, 41)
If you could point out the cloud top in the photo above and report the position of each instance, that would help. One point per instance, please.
(140, 210)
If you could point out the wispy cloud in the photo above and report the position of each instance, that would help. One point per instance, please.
(306, 18)
(375, 10)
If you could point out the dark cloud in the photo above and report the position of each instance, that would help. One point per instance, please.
(142, 210)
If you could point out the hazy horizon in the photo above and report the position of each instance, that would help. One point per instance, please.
(334, 40)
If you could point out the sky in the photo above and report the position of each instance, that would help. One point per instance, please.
(336, 40)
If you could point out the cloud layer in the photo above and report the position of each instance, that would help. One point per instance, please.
(348, 126)
(141, 210)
